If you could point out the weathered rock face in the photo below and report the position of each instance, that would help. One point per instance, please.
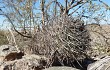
(99, 34)
(12, 59)
(102, 64)
(8, 52)
(28, 62)
(61, 68)
(6, 49)
(100, 38)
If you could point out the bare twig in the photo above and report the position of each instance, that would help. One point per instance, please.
(14, 26)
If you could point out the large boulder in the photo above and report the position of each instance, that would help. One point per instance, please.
(6, 49)
(61, 68)
(9, 52)
(28, 62)
(12, 59)
(100, 38)
(102, 64)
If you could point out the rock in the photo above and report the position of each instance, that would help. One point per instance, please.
(6, 49)
(61, 68)
(100, 38)
(102, 64)
(8, 52)
(13, 56)
(28, 62)
(99, 57)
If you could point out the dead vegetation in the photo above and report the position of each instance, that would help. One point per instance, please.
(64, 39)
(3, 39)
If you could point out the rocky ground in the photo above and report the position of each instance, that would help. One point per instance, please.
(12, 59)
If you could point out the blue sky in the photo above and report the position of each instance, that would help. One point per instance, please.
(107, 1)
(2, 25)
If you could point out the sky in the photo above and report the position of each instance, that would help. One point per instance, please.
(107, 1)
(3, 24)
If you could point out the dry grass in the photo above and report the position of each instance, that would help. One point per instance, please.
(3, 39)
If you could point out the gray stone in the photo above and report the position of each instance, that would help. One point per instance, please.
(6, 49)
(102, 64)
(28, 62)
(8, 52)
(61, 68)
